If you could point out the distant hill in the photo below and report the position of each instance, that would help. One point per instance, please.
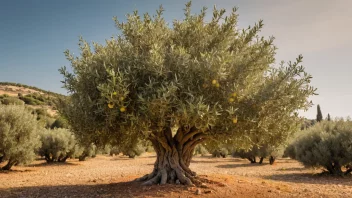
(36, 98)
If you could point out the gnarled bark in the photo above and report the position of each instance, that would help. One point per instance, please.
(174, 156)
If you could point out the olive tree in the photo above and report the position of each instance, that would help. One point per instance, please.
(262, 152)
(18, 136)
(327, 144)
(206, 79)
(58, 145)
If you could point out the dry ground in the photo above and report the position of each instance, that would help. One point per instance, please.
(113, 177)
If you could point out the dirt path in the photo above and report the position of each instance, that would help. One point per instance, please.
(111, 177)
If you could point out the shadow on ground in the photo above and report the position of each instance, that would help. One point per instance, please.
(45, 164)
(241, 165)
(210, 159)
(122, 189)
(308, 178)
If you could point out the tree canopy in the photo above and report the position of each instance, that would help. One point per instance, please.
(181, 84)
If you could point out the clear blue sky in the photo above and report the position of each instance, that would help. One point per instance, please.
(34, 34)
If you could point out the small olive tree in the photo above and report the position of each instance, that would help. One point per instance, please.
(207, 79)
(58, 145)
(327, 144)
(18, 135)
(262, 152)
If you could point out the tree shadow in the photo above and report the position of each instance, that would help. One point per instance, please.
(45, 164)
(121, 189)
(241, 165)
(14, 171)
(293, 169)
(307, 178)
(216, 160)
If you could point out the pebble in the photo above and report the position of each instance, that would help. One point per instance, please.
(198, 192)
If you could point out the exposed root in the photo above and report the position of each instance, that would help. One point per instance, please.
(152, 181)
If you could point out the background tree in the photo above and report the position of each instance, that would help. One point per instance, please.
(328, 118)
(58, 145)
(328, 145)
(179, 86)
(18, 135)
(319, 114)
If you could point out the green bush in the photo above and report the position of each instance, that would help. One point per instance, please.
(89, 151)
(200, 150)
(290, 151)
(11, 101)
(58, 145)
(135, 150)
(259, 151)
(18, 135)
(114, 151)
(327, 144)
(59, 123)
(223, 152)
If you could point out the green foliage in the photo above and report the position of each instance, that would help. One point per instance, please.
(114, 151)
(134, 151)
(204, 75)
(89, 150)
(18, 137)
(59, 123)
(31, 87)
(200, 150)
(326, 144)
(262, 152)
(290, 151)
(319, 114)
(58, 145)
(11, 101)
(223, 152)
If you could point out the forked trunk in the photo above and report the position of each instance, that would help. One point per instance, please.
(174, 156)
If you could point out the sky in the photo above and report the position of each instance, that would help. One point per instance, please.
(35, 33)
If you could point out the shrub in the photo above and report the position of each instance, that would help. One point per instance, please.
(200, 150)
(59, 123)
(89, 151)
(30, 100)
(290, 151)
(135, 150)
(11, 101)
(327, 144)
(114, 151)
(18, 137)
(58, 145)
(223, 152)
(259, 151)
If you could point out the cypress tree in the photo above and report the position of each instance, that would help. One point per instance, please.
(328, 118)
(319, 114)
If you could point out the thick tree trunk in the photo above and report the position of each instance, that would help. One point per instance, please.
(174, 156)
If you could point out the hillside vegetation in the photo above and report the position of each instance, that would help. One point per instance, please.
(33, 97)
